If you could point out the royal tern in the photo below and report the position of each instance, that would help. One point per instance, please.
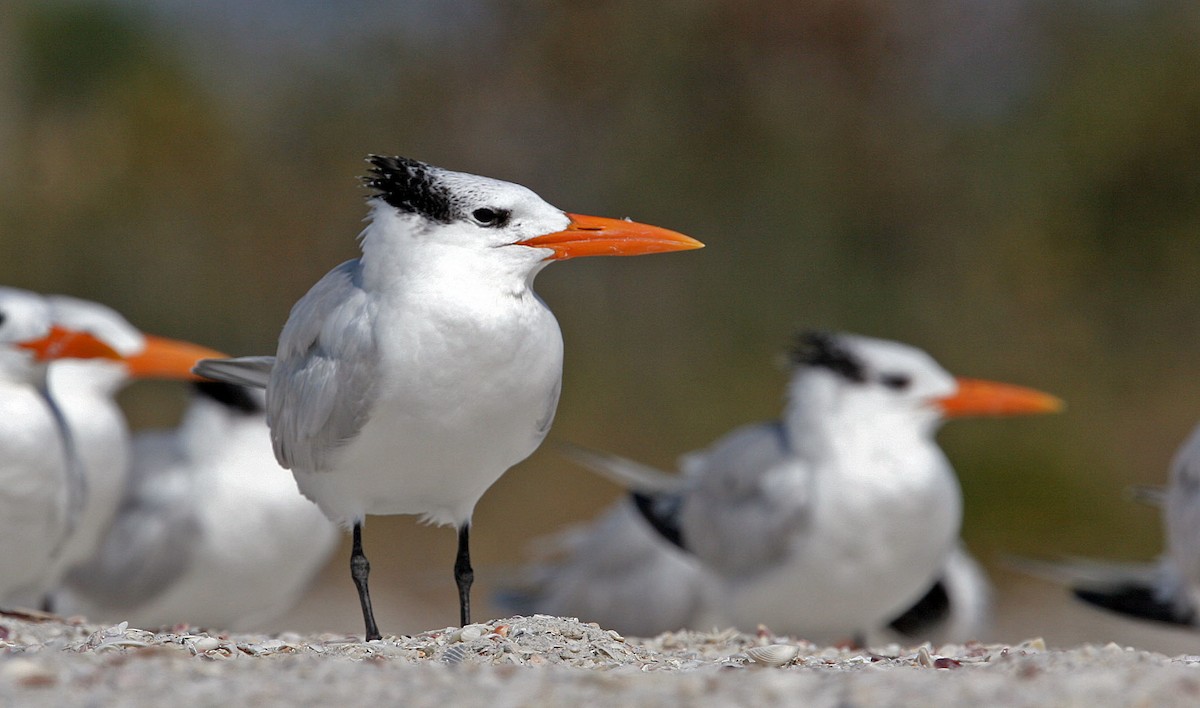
(210, 532)
(41, 486)
(1168, 590)
(85, 390)
(829, 523)
(408, 380)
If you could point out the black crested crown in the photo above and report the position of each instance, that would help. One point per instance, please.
(410, 186)
(824, 349)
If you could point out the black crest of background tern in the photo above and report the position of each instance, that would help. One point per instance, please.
(825, 349)
(411, 186)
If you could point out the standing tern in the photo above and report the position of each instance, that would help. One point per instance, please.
(210, 532)
(829, 523)
(1166, 591)
(41, 486)
(85, 391)
(408, 380)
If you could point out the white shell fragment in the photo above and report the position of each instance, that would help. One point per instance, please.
(773, 654)
(469, 633)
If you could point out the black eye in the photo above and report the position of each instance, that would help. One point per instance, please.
(490, 217)
(2, 318)
(896, 382)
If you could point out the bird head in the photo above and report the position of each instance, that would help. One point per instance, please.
(473, 212)
(866, 379)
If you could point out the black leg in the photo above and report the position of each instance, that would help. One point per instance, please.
(359, 570)
(463, 575)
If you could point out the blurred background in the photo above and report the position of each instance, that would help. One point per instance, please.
(1012, 185)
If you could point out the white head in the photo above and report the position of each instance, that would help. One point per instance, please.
(422, 214)
(849, 380)
(31, 337)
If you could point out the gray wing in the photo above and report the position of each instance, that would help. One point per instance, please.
(622, 471)
(253, 371)
(322, 385)
(749, 495)
(151, 538)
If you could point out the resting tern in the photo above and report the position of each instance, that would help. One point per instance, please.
(828, 523)
(408, 380)
(210, 532)
(1169, 590)
(41, 485)
(85, 390)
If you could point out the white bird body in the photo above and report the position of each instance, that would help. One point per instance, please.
(211, 532)
(441, 337)
(879, 523)
(85, 390)
(41, 487)
(407, 381)
(33, 489)
(826, 524)
(1181, 519)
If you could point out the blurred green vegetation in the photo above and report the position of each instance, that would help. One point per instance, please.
(1014, 186)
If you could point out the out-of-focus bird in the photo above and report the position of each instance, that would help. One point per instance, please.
(407, 381)
(956, 608)
(85, 391)
(832, 522)
(42, 490)
(210, 531)
(1168, 590)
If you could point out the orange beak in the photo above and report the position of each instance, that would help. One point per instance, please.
(988, 398)
(598, 236)
(164, 358)
(63, 343)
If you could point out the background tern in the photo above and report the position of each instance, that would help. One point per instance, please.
(407, 381)
(1166, 591)
(829, 523)
(210, 531)
(85, 391)
(41, 486)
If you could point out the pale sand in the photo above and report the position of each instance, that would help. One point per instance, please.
(552, 661)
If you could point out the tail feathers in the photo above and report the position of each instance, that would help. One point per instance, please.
(252, 371)
(1149, 495)
(622, 471)
(1138, 600)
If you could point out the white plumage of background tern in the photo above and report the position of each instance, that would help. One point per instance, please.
(85, 391)
(830, 523)
(210, 530)
(408, 380)
(41, 483)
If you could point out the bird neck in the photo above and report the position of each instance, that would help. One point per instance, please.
(822, 417)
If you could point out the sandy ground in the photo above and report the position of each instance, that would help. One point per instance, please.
(552, 661)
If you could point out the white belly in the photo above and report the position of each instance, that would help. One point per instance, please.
(869, 553)
(453, 415)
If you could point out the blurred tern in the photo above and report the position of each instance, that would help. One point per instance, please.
(41, 486)
(85, 391)
(210, 532)
(1167, 591)
(831, 522)
(407, 381)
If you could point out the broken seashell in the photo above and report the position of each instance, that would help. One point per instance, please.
(773, 654)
